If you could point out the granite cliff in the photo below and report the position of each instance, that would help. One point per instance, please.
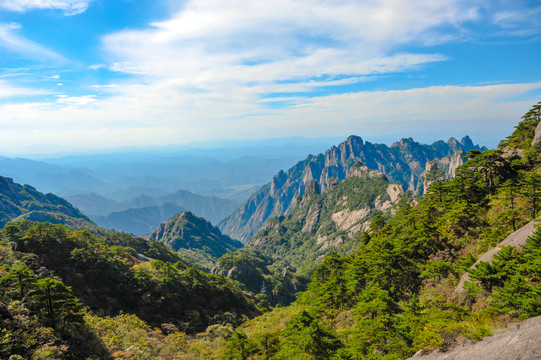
(403, 162)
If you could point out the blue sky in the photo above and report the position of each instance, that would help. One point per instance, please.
(91, 75)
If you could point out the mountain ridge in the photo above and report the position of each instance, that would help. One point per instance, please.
(404, 162)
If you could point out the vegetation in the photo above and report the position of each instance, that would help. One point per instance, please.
(52, 277)
(308, 232)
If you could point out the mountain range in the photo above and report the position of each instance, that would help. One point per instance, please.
(403, 162)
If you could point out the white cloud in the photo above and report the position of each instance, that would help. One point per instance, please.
(7, 90)
(210, 42)
(12, 41)
(70, 7)
(75, 100)
(141, 117)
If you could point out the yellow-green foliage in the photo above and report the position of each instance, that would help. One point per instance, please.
(127, 337)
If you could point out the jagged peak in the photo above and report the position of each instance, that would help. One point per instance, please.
(467, 142)
(452, 142)
(404, 142)
(354, 139)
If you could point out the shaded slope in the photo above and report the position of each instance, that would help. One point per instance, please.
(23, 202)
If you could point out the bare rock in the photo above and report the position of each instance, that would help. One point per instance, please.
(395, 192)
(517, 239)
(346, 219)
(537, 137)
(521, 341)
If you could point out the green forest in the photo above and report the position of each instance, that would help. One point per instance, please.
(73, 294)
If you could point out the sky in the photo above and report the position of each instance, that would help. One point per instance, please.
(96, 75)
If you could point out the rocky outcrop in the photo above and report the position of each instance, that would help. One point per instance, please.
(517, 239)
(403, 162)
(519, 342)
(195, 238)
(323, 222)
(537, 137)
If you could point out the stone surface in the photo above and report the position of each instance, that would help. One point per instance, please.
(516, 239)
(520, 342)
(537, 137)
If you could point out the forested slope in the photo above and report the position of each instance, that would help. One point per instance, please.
(396, 295)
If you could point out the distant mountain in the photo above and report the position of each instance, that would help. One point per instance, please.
(195, 239)
(143, 214)
(210, 207)
(18, 202)
(138, 221)
(403, 162)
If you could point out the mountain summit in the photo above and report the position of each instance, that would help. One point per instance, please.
(194, 238)
(403, 162)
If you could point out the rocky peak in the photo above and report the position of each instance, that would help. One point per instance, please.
(404, 143)
(453, 143)
(466, 142)
(403, 162)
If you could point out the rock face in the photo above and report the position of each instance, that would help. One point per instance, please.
(520, 342)
(516, 239)
(320, 223)
(194, 238)
(537, 137)
(18, 202)
(403, 162)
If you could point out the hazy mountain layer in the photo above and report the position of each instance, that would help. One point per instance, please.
(143, 214)
(138, 221)
(403, 162)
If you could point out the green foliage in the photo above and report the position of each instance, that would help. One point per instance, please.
(239, 347)
(306, 338)
(112, 279)
(394, 294)
(513, 279)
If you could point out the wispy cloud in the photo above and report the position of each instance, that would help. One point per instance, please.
(12, 41)
(84, 123)
(8, 90)
(70, 7)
